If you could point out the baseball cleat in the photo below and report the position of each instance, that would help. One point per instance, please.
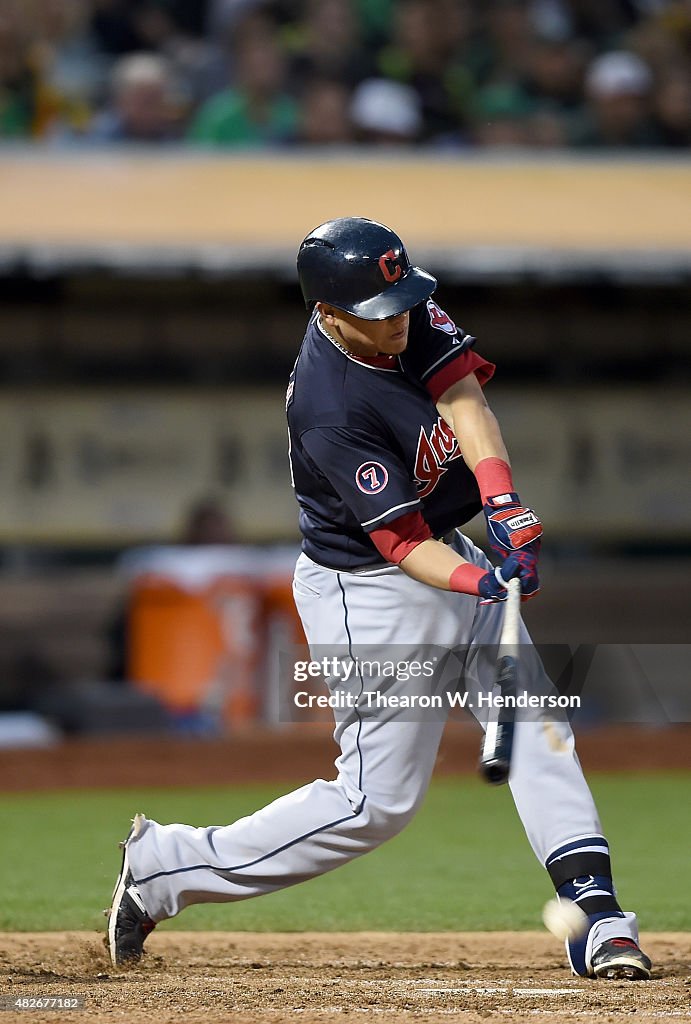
(621, 959)
(128, 922)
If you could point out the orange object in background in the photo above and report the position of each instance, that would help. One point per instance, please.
(174, 643)
(207, 627)
(195, 637)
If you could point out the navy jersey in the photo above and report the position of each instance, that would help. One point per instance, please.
(367, 443)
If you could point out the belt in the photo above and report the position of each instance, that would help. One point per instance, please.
(370, 567)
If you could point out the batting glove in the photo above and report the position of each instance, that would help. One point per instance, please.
(513, 529)
(492, 586)
(510, 525)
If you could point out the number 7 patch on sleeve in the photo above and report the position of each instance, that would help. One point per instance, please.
(371, 477)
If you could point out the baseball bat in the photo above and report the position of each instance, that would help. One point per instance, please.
(495, 760)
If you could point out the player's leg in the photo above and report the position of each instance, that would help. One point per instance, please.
(384, 767)
(555, 804)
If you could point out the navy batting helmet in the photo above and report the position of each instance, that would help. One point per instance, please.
(360, 266)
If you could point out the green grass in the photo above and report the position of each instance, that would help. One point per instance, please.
(463, 864)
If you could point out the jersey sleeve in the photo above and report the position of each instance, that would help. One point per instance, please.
(442, 353)
(368, 477)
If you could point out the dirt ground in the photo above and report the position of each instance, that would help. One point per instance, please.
(311, 978)
(298, 753)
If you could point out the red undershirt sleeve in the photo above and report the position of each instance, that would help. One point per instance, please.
(466, 363)
(397, 539)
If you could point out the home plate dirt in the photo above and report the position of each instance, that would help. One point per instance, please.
(249, 978)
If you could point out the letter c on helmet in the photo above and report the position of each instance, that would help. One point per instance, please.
(390, 275)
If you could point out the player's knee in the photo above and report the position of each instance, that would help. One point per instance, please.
(384, 818)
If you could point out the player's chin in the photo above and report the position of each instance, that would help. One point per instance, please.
(396, 344)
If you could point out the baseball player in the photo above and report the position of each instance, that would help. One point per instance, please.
(392, 448)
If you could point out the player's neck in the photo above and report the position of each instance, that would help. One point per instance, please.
(380, 359)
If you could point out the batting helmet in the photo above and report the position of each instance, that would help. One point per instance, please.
(360, 266)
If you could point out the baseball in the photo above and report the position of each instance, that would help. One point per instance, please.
(564, 919)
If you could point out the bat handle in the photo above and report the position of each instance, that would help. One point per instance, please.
(496, 769)
(510, 632)
(495, 761)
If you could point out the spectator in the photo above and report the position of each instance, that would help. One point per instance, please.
(168, 27)
(552, 85)
(419, 57)
(672, 108)
(256, 110)
(324, 114)
(327, 43)
(386, 113)
(458, 22)
(618, 90)
(72, 70)
(553, 74)
(501, 116)
(226, 20)
(144, 105)
(510, 36)
(655, 43)
(156, 27)
(18, 82)
(207, 522)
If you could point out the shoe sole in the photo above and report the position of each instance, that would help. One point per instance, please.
(118, 893)
(119, 890)
(623, 969)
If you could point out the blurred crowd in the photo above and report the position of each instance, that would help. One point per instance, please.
(444, 74)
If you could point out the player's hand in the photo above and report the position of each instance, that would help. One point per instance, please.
(515, 531)
(492, 586)
(510, 525)
(522, 565)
